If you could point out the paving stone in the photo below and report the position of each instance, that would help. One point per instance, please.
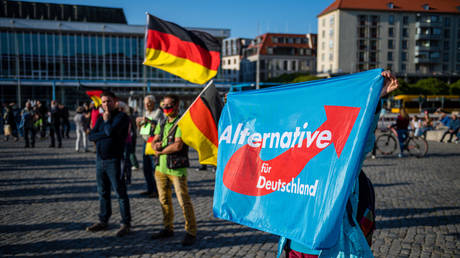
(48, 197)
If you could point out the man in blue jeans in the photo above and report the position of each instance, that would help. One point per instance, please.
(109, 133)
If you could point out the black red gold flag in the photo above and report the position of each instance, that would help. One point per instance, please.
(192, 55)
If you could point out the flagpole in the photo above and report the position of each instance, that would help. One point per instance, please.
(201, 93)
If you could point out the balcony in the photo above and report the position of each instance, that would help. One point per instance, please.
(427, 60)
(419, 49)
(427, 36)
(428, 24)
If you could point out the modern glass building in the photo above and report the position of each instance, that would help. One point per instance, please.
(52, 50)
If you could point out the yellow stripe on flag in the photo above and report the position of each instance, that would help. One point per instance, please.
(192, 136)
(97, 101)
(181, 67)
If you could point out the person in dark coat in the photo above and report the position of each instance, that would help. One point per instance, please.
(55, 124)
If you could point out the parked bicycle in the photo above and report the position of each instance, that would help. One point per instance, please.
(387, 143)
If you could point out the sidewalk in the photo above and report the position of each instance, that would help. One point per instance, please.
(48, 197)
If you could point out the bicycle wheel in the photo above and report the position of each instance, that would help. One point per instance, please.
(386, 144)
(417, 146)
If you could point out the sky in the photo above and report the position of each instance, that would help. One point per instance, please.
(244, 18)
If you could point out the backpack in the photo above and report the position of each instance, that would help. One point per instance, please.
(365, 215)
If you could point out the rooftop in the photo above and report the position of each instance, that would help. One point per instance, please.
(430, 6)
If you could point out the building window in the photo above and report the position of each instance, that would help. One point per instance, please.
(373, 44)
(331, 44)
(322, 57)
(405, 32)
(445, 57)
(445, 68)
(362, 20)
(446, 45)
(373, 32)
(447, 21)
(362, 32)
(375, 20)
(270, 51)
(362, 45)
(403, 67)
(404, 44)
(390, 44)
(373, 57)
(405, 20)
(361, 56)
(331, 56)
(404, 56)
(391, 20)
(390, 32)
(446, 33)
(389, 67)
(323, 45)
(323, 33)
(331, 20)
(331, 33)
(390, 56)
(274, 39)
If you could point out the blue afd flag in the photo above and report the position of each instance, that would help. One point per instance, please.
(288, 155)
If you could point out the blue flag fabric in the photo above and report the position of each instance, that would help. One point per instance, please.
(288, 155)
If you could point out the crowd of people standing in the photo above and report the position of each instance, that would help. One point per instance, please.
(35, 118)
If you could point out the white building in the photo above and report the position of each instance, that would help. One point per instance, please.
(413, 38)
(232, 53)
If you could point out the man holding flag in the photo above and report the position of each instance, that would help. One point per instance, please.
(172, 171)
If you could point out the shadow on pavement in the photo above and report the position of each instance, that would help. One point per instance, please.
(390, 184)
(69, 226)
(411, 211)
(419, 221)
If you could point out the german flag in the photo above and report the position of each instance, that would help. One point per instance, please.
(95, 96)
(199, 124)
(192, 55)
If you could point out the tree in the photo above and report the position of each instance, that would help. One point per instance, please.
(454, 88)
(431, 86)
(304, 78)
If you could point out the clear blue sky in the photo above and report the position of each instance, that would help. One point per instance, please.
(245, 18)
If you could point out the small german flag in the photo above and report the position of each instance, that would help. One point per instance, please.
(95, 96)
(192, 55)
(199, 125)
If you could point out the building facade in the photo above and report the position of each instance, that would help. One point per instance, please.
(232, 53)
(277, 54)
(50, 50)
(412, 38)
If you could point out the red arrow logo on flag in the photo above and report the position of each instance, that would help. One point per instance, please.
(244, 168)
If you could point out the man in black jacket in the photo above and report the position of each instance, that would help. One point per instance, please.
(55, 124)
(109, 133)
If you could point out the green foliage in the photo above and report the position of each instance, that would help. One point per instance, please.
(454, 88)
(294, 78)
(305, 78)
(431, 86)
(403, 88)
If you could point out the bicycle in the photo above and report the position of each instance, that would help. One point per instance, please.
(387, 143)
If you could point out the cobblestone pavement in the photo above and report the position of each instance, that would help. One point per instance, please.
(48, 196)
